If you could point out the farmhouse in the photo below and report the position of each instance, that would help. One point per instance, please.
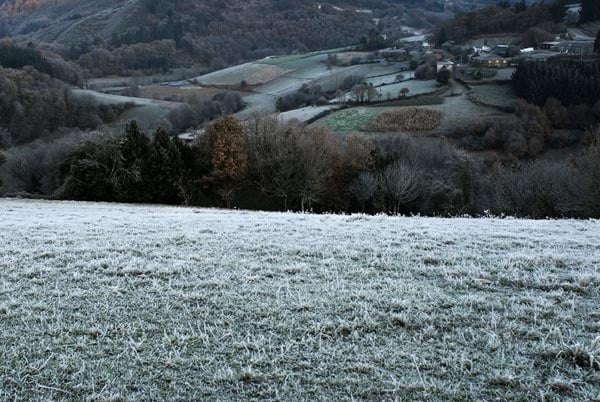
(575, 47)
(489, 61)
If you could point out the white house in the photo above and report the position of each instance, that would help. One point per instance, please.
(446, 64)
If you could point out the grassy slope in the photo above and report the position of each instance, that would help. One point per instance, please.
(107, 301)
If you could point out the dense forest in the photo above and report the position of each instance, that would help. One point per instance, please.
(590, 11)
(572, 83)
(215, 34)
(33, 105)
(538, 21)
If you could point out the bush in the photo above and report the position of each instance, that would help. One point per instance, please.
(556, 113)
(523, 134)
(425, 72)
(443, 76)
(540, 189)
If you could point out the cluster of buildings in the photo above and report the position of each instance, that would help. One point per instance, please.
(497, 56)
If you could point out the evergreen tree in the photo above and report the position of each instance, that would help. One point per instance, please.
(520, 6)
(443, 37)
(443, 76)
(572, 83)
(590, 11)
(94, 172)
(16, 57)
(135, 151)
(558, 11)
(163, 174)
(2, 161)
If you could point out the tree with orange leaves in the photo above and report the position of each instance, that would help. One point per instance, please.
(225, 141)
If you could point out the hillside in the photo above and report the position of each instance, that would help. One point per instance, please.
(80, 20)
(119, 302)
(229, 31)
(71, 22)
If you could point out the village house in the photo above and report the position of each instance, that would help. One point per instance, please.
(489, 61)
(574, 47)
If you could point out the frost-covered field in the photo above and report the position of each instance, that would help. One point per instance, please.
(116, 302)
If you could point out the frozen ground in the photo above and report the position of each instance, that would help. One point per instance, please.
(499, 95)
(117, 302)
(146, 111)
(305, 113)
(252, 73)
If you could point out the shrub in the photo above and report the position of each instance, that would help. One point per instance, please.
(425, 72)
(443, 76)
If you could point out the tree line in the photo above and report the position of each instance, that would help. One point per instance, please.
(16, 57)
(537, 20)
(532, 129)
(570, 82)
(33, 105)
(268, 164)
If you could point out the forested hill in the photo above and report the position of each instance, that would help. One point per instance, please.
(236, 30)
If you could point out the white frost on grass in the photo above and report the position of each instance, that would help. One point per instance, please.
(145, 111)
(121, 302)
(252, 73)
(305, 113)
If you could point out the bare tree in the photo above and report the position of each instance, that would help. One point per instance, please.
(372, 93)
(359, 92)
(399, 184)
(315, 172)
(541, 189)
(273, 155)
(364, 188)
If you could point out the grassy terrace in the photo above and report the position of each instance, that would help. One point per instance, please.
(117, 302)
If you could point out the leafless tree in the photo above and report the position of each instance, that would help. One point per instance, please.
(364, 188)
(372, 93)
(540, 189)
(359, 92)
(272, 155)
(314, 145)
(399, 184)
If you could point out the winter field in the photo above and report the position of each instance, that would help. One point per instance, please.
(117, 302)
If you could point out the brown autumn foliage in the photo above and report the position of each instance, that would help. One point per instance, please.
(228, 159)
(407, 119)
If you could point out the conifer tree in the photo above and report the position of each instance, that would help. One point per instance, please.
(135, 151)
(590, 11)
(164, 170)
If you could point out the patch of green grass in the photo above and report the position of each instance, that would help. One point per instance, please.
(353, 119)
